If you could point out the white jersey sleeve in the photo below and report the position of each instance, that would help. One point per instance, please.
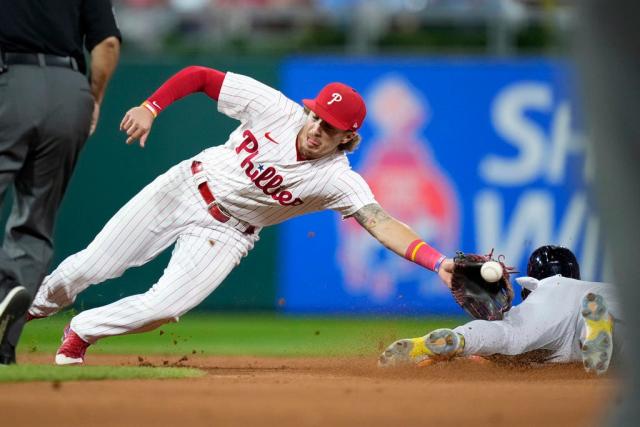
(244, 98)
(348, 193)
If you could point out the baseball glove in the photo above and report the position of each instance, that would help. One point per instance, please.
(481, 299)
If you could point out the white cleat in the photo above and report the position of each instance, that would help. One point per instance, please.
(438, 344)
(61, 359)
(597, 347)
(402, 352)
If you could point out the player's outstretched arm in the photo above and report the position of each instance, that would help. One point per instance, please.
(138, 120)
(402, 240)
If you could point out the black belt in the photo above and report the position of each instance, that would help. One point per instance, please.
(40, 59)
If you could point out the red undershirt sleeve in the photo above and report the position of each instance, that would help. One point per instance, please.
(187, 81)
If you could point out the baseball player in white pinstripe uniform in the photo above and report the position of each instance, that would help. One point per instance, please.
(282, 161)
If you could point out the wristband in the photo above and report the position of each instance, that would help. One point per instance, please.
(436, 267)
(150, 107)
(421, 253)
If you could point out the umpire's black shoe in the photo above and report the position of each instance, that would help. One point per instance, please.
(7, 359)
(14, 302)
(7, 354)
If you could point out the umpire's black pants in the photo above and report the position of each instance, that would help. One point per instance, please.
(45, 114)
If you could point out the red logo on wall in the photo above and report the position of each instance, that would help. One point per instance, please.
(408, 183)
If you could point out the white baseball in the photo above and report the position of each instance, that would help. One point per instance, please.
(491, 271)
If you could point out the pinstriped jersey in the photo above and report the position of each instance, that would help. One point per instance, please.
(256, 175)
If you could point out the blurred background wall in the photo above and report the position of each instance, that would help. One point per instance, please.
(473, 137)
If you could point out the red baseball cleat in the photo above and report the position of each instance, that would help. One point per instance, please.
(31, 317)
(72, 350)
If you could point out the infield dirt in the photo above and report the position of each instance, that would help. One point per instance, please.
(252, 391)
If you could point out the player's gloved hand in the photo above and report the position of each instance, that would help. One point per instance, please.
(479, 298)
(137, 124)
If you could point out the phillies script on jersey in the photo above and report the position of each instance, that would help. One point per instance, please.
(263, 182)
(268, 180)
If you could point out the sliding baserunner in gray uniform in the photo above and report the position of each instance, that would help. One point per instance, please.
(562, 319)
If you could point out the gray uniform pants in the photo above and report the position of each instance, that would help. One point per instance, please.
(45, 114)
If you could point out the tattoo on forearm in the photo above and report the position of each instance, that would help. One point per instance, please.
(371, 216)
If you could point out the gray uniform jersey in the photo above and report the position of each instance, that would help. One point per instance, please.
(549, 319)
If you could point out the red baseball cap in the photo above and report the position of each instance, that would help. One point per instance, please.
(339, 105)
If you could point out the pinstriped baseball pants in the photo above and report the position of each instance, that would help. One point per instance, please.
(168, 210)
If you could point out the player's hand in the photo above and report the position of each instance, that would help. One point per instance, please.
(137, 124)
(94, 117)
(446, 271)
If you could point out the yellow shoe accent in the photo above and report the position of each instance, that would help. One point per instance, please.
(419, 348)
(439, 344)
(595, 327)
(597, 347)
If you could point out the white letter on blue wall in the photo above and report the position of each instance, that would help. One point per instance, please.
(511, 123)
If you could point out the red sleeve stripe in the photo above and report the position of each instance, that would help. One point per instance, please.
(423, 254)
(185, 82)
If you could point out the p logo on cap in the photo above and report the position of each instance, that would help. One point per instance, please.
(339, 105)
(335, 97)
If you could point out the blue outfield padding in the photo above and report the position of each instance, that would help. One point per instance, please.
(473, 154)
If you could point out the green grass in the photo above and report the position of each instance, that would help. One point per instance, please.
(251, 334)
(220, 334)
(17, 373)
